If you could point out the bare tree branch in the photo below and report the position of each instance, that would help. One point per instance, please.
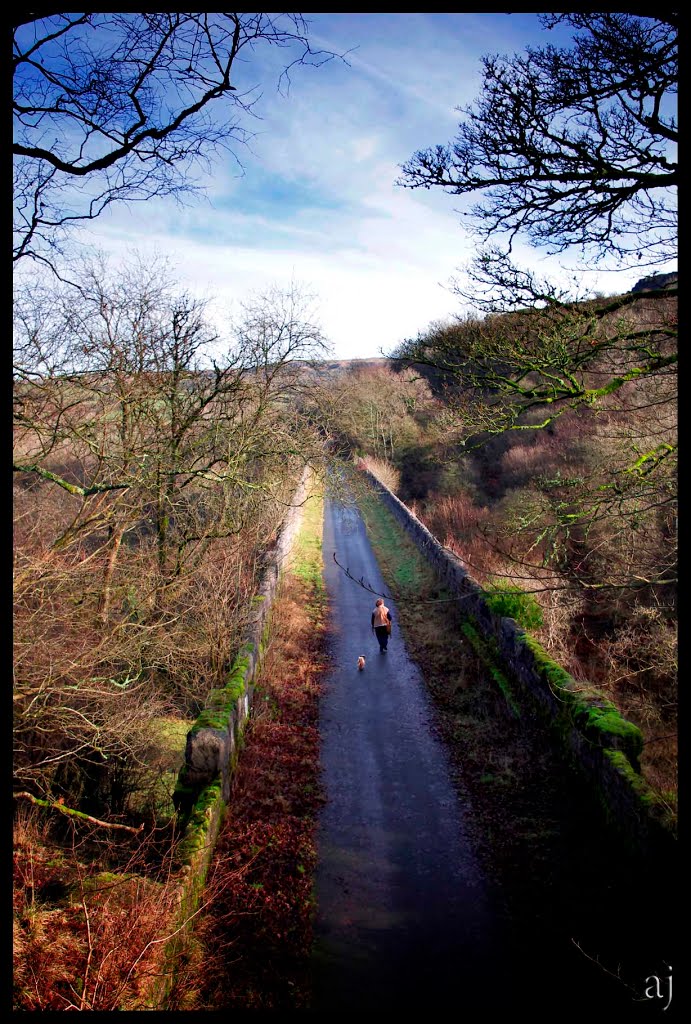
(572, 147)
(112, 107)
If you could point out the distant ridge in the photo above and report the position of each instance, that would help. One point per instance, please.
(352, 364)
(655, 282)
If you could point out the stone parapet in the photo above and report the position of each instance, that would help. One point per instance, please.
(203, 786)
(600, 742)
(212, 741)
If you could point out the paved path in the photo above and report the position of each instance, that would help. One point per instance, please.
(405, 919)
(404, 914)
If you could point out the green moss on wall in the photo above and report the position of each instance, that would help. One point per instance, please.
(580, 709)
(483, 647)
(598, 719)
(502, 598)
(556, 677)
(235, 680)
(196, 832)
(604, 723)
(212, 718)
(219, 710)
(622, 764)
(652, 801)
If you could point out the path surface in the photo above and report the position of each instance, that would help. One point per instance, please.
(404, 916)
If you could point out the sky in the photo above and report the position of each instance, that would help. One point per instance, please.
(313, 198)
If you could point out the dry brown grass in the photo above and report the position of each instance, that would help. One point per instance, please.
(85, 937)
(384, 471)
(256, 941)
(628, 651)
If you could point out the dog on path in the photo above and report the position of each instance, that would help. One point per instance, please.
(361, 663)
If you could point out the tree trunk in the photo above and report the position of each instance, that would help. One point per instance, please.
(117, 534)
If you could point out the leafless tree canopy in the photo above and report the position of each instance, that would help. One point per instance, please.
(152, 470)
(112, 107)
(573, 146)
(570, 147)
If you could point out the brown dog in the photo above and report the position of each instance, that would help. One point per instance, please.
(361, 663)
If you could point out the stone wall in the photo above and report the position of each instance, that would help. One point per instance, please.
(203, 786)
(212, 741)
(602, 744)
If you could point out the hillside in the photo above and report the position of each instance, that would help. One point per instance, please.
(541, 448)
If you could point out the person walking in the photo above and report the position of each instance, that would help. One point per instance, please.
(381, 624)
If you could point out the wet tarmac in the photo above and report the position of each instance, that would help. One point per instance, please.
(404, 917)
(406, 920)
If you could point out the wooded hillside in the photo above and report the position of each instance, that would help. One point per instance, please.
(540, 447)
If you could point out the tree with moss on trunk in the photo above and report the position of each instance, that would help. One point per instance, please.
(571, 147)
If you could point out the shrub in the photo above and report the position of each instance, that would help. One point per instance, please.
(87, 936)
(504, 598)
(384, 471)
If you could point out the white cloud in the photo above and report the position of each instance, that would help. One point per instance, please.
(363, 148)
(318, 201)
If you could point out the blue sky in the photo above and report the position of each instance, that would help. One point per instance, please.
(315, 201)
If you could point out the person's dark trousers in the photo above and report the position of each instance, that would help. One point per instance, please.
(382, 636)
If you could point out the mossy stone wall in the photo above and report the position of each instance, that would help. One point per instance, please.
(202, 790)
(604, 745)
(213, 740)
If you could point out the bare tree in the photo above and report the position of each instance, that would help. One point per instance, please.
(369, 409)
(573, 146)
(538, 349)
(153, 466)
(122, 107)
(131, 377)
(565, 409)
